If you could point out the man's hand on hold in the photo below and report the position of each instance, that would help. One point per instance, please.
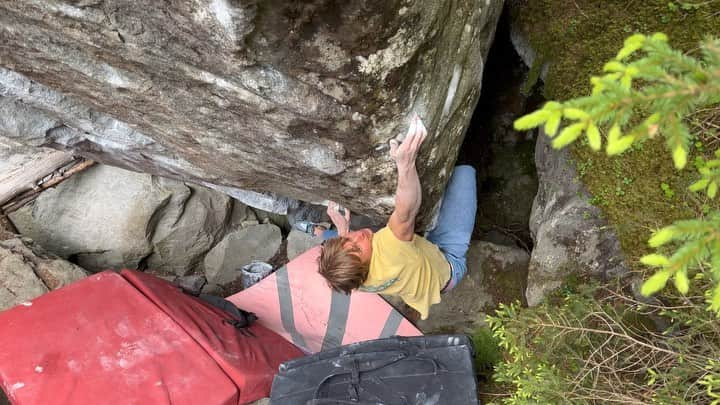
(408, 195)
(405, 153)
(341, 222)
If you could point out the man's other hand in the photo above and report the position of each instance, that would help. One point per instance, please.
(405, 153)
(341, 222)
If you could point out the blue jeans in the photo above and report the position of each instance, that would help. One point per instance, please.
(456, 222)
(329, 234)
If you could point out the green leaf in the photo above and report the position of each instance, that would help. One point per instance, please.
(626, 82)
(575, 114)
(661, 236)
(635, 39)
(598, 85)
(699, 185)
(552, 105)
(654, 260)
(653, 119)
(619, 146)
(568, 135)
(613, 66)
(632, 44)
(553, 123)
(712, 190)
(681, 281)
(659, 36)
(715, 300)
(680, 157)
(531, 120)
(655, 283)
(593, 134)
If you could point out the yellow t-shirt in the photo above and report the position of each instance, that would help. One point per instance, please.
(415, 270)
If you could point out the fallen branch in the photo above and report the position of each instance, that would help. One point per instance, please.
(25, 171)
(55, 178)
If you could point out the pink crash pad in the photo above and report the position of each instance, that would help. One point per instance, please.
(296, 303)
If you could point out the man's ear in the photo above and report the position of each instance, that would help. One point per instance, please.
(351, 247)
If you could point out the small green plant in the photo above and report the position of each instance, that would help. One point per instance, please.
(583, 167)
(710, 173)
(487, 352)
(592, 346)
(667, 190)
(598, 200)
(649, 90)
(685, 5)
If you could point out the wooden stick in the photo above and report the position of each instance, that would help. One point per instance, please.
(54, 179)
(26, 174)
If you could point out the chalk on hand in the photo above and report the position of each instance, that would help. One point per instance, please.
(412, 128)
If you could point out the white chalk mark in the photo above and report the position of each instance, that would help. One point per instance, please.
(223, 13)
(114, 78)
(15, 387)
(69, 11)
(74, 366)
(323, 159)
(26, 304)
(38, 369)
(452, 89)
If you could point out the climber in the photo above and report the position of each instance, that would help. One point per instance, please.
(396, 261)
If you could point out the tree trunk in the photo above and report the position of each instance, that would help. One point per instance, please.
(293, 98)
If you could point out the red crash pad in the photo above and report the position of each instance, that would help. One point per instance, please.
(132, 339)
(297, 303)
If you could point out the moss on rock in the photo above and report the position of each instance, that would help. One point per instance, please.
(639, 190)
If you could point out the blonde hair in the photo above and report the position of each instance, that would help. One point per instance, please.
(340, 264)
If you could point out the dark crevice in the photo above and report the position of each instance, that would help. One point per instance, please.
(504, 158)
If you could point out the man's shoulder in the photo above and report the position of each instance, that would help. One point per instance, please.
(386, 235)
(389, 250)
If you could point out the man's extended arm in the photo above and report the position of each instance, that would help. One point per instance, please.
(408, 195)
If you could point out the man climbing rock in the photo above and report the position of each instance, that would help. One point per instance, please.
(396, 261)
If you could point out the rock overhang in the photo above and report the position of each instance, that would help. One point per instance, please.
(296, 100)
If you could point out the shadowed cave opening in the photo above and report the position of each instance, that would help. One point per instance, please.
(504, 158)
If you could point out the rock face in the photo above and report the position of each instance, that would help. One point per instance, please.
(570, 235)
(238, 248)
(27, 271)
(191, 223)
(526, 52)
(100, 217)
(495, 274)
(299, 242)
(293, 98)
(112, 218)
(7, 229)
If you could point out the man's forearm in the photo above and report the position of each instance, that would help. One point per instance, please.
(408, 195)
